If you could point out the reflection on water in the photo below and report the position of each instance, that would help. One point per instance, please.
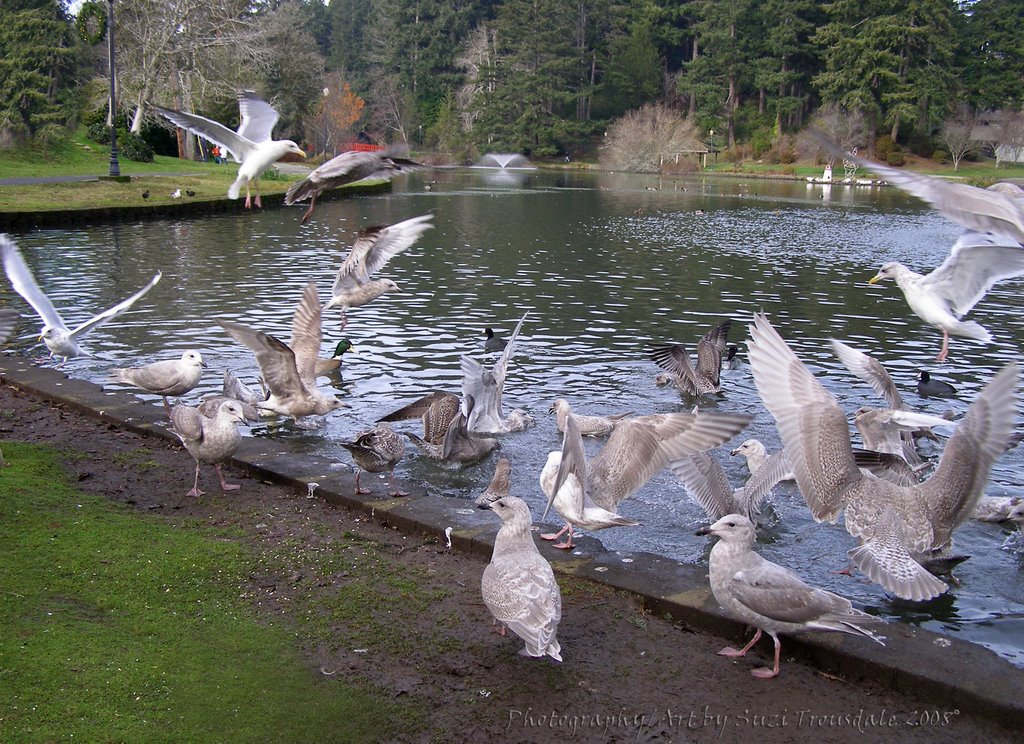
(606, 263)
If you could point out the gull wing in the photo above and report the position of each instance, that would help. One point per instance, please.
(573, 464)
(775, 592)
(258, 117)
(674, 359)
(706, 483)
(870, 370)
(276, 360)
(307, 334)
(501, 366)
(210, 130)
(710, 349)
(24, 284)
(374, 247)
(813, 427)
(975, 263)
(113, 312)
(8, 322)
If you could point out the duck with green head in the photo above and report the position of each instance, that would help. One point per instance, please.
(327, 366)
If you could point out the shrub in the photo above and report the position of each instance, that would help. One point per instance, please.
(940, 156)
(895, 158)
(644, 139)
(883, 146)
(131, 146)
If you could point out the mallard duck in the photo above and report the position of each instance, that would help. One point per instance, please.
(327, 366)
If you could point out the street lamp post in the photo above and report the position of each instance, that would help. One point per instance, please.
(115, 168)
(711, 132)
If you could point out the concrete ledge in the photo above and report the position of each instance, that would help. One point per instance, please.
(946, 671)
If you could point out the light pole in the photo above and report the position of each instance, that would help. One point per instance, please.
(711, 132)
(115, 168)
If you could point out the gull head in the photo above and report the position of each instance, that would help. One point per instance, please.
(193, 359)
(293, 149)
(888, 271)
(732, 528)
(232, 411)
(751, 447)
(560, 404)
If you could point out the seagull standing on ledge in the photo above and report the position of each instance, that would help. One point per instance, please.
(251, 145)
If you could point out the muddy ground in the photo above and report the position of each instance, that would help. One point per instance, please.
(627, 675)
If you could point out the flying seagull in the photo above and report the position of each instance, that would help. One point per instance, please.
(348, 167)
(59, 339)
(250, 145)
(991, 249)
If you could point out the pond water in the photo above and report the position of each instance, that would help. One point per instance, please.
(606, 264)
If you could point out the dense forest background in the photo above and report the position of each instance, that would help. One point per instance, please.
(547, 78)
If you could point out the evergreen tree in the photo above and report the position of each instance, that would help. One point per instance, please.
(992, 54)
(38, 62)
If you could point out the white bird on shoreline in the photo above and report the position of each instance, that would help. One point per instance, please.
(769, 597)
(251, 145)
(59, 339)
(168, 377)
(518, 585)
(209, 439)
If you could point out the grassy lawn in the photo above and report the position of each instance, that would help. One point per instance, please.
(982, 172)
(120, 627)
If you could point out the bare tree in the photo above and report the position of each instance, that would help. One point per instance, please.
(182, 51)
(847, 128)
(645, 138)
(957, 134)
(1011, 138)
(478, 58)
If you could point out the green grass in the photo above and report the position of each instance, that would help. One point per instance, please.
(120, 627)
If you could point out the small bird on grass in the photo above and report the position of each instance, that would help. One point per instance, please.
(190, 192)
(145, 194)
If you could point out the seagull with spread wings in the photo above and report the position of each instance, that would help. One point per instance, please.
(290, 369)
(486, 387)
(251, 145)
(59, 339)
(991, 249)
(373, 248)
(348, 167)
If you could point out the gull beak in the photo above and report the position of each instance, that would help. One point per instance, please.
(734, 452)
(875, 279)
(704, 531)
(204, 365)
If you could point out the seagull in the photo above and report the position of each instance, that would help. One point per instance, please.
(376, 450)
(176, 194)
(289, 369)
(589, 426)
(991, 249)
(373, 248)
(756, 455)
(769, 597)
(251, 145)
(346, 168)
(457, 445)
(236, 390)
(436, 410)
(929, 388)
(889, 430)
(694, 380)
(209, 439)
(486, 387)
(518, 585)
(9, 319)
(587, 494)
(500, 486)
(169, 377)
(899, 527)
(59, 339)
(708, 486)
(999, 509)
